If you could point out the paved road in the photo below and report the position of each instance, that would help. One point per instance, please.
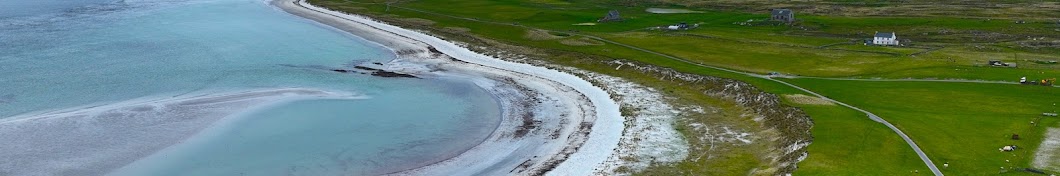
(927, 161)
(905, 80)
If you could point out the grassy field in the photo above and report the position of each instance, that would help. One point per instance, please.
(753, 57)
(846, 142)
(960, 123)
(995, 9)
(765, 47)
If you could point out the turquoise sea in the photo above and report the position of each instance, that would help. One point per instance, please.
(94, 56)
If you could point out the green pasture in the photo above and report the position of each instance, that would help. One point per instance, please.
(960, 123)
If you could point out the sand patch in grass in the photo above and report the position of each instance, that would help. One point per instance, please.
(456, 29)
(535, 34)
(419, 21)
(581, 42)
(807, 100)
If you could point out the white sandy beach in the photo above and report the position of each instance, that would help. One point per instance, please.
(553, 122)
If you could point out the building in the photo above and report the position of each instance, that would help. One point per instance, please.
(782, 15)
(885, 38)
(681, 26)
(611, 16)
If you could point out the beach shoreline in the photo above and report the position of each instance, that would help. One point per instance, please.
(553, 119)
(551, 113)
(548, 116)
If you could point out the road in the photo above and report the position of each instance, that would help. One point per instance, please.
(916, 148)
(904, 80)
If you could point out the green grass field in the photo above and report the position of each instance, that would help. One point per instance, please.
(846, 142)
(960, 123)
(767, 48)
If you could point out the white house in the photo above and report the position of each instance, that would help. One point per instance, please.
(885, 38)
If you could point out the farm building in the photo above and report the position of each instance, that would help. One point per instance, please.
(783, 15)
(997, 63)
(611, 16)
(885, 38)
(681, 26)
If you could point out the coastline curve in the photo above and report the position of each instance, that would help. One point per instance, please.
(575, 120)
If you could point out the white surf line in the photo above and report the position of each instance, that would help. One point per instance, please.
(607, 128)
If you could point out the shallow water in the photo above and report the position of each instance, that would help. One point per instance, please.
(94, 86)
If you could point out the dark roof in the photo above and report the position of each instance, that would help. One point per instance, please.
(884, 34)
(781, 11)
